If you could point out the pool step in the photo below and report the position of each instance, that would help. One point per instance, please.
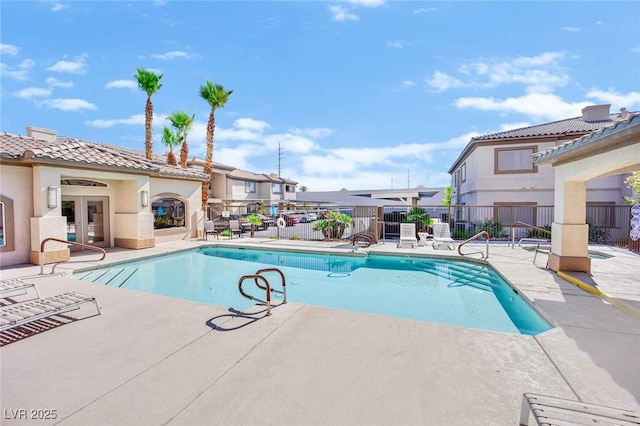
(472, 275)
(115, 277)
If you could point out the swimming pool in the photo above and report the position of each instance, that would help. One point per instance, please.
(456, 292)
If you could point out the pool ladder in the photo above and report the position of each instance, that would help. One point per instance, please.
(257, 278)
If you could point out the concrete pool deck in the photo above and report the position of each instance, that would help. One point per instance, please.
(150, 359)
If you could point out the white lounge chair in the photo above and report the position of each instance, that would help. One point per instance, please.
(17, 287)
(24, 313)
(547, 410)
(442, 235)
(408, 235)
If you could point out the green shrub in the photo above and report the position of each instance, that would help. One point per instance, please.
(493, 227)
(535, 233)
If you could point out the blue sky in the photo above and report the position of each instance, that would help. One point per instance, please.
(366, 94)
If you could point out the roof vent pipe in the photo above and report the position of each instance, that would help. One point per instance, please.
(624, 114)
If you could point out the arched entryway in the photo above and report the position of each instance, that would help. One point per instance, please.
(606, 152)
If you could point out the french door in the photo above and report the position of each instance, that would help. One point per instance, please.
(87, 220)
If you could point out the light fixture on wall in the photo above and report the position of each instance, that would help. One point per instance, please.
(144, 198)
(52, 197)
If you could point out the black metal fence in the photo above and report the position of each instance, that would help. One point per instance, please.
(608, 224)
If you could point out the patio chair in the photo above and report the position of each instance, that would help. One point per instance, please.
(408, 235)
(25, 313)
(235, 227)
(17, 287)
(549, 410)
(442, 235)
(210, 228)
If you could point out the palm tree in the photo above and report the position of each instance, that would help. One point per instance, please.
(304, 188)
(171, 140)
(182, 122)
(149, 83)
(216, 97)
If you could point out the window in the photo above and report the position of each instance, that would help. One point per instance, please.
(276, 188)
(7, 242)
(515, 160)
(168, 213)
(249, 187)
(463, 173)
(290, 188)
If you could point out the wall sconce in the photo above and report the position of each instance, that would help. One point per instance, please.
(144, 198)
(52, 197)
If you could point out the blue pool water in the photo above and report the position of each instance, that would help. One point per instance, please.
(446, 291)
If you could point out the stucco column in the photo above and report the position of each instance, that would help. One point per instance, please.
(133, 227)
(46, 221)
(569, 232)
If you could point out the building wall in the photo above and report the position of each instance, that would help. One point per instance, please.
(188, 191)
(16, 184)
(480, 185)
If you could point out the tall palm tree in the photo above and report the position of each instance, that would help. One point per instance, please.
(171, 140)
(149, 83)
(182, 122)
(216, 97)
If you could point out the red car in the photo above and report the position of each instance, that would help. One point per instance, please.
(289, 219)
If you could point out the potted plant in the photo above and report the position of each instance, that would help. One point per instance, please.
(420, 217)
(333, 224)
(254, 220)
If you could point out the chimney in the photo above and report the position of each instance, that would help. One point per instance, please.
(624, 114)
(596, 112)
(40, 133)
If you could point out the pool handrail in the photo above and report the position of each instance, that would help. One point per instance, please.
(282, 278)
(266, 287)
(73, 243)
(519, 224)
(485, 255)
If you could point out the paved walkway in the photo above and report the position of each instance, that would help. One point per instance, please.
(150, 360)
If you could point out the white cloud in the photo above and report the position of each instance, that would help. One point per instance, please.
(570, 29)
(398, 44)
(32, 92)
(137, 119)
(68, 104)
(78, 66)
(290, 142)
(441, 82)
(425, 10)
(19, 75)
(8, 49)
(541, 73)
(538, 106)
(617, 100)
(636, 49)
(319, 132)
(367, 3)
(251, 124)
(54, 82)
(121, 84)
(408, 83)
(173, 55)
(222, 133)
(341, 14)
(58, 7)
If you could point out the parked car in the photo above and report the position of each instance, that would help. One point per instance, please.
(304, 216)
(267, 220)
(290, 219)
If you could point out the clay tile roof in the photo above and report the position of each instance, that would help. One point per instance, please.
(563, 127)
(74, 151)
(585, 140)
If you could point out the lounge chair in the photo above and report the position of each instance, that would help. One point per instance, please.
(210, 228)
(235, 227)
(408, 235)
(17, 287)
(24, 313)
(442, 235)
(547, 410)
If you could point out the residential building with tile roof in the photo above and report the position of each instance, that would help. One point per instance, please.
(106, 196)
(498, 169)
